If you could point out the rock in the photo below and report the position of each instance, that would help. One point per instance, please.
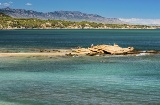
(105, 49)
(41, 50)
(82, 50)
(92, 54)
(70, 54)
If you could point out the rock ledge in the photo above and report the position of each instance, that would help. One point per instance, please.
(104, 49)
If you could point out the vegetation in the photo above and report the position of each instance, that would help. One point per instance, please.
(7, 22)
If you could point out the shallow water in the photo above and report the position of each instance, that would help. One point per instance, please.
(103, 80)
(84, 80)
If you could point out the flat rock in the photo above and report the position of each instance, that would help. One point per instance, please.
(104, 49)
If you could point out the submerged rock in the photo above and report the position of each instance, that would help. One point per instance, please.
(70, 54)
(152, 51)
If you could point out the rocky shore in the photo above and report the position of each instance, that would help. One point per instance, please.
(97, 50)
(108, 50)
(104, 49)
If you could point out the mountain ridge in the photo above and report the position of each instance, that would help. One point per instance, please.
(59, 15)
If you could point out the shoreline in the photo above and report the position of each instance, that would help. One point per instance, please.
(82, 29)
(50, 55)
(98, 50)
(29, 54)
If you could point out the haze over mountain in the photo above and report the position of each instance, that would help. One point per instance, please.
(139, 21)
(59, 15)
(76, 16)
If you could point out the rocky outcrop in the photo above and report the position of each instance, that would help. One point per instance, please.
(104, 49)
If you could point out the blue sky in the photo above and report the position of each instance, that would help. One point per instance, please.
(148, 9)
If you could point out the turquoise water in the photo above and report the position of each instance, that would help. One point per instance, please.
(118, 80)
(27, 39)
(80, 81)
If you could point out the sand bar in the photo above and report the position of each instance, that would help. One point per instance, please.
(90, 51)
(30, 54)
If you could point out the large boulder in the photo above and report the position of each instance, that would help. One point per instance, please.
(104, 49)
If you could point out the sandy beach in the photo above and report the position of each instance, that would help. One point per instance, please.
(30, 54)
(60, 53)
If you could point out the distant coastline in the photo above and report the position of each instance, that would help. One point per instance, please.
(80, 28)
(9, 23)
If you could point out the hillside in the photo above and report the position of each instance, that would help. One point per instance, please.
(60, 15)
(7, 22)
(3, 15)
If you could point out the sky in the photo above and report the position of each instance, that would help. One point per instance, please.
(146, 9)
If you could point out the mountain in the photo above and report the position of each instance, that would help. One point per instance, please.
(59, 15)
(7, 22)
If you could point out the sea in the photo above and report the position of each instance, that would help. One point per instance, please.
(96, 80)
